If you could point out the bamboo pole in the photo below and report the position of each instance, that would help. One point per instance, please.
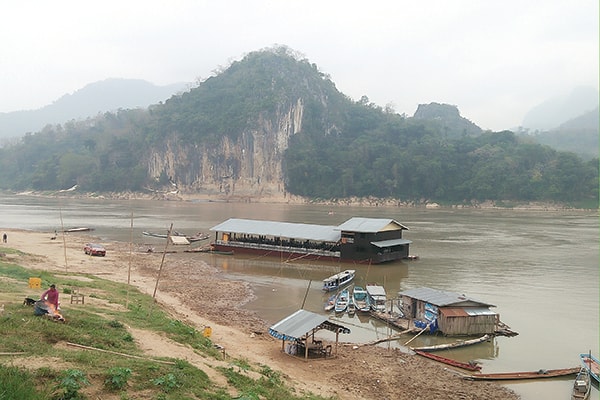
(130, 256)
(161, 267)
(422, 330)
(306, 294)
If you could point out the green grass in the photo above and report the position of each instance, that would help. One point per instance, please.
(104, 327)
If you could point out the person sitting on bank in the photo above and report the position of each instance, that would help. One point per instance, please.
(51, 296)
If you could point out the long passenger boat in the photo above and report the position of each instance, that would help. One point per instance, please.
(358, 240)
(539, 374)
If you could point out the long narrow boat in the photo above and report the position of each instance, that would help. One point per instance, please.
(471, 366)
(453, 345)
(539, 374)
(338, 280)
(592, 364)
(582, 385)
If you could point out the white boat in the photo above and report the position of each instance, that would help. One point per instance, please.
(341, 301)
(338, 280)
(377, 297)
(360, 298)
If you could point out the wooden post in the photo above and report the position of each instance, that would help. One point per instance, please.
(161, 267)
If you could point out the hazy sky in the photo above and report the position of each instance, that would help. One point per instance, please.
(494, 59)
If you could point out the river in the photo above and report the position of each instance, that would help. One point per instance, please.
(539, 268)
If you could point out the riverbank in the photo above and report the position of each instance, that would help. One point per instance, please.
(293, 199)
(201, 295)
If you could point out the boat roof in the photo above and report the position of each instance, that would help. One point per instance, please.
(340, 274)
(323, 233)
(301, 323)
(376, 290)
(371, 225)
(441, 298)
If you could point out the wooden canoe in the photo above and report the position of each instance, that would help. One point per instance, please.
(453, 345)
(581, 385)
(468, 366)
(542, 373)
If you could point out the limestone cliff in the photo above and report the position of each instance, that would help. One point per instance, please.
(249, 165)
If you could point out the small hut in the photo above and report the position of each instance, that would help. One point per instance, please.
(299, 329)
(450, 313)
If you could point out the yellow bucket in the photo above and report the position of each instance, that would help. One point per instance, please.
(207, 331)
(35, 283)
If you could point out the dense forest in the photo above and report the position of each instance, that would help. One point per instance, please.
(345, 148)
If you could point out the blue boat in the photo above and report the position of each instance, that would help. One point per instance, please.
(341, 301)
(338, 281)
(592, 364)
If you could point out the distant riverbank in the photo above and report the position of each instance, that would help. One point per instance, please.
(293, 199)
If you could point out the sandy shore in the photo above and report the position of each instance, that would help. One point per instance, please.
(200, 295)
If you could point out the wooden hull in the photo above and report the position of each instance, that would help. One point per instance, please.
(592, 364)
(460, 343)
(582, 385)
(541, 374)
(449, 361)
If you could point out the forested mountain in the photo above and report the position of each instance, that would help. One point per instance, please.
(579, 135)
(273, 124)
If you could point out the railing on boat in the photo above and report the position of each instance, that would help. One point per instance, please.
(275, 248)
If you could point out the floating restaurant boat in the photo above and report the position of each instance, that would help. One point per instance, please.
(358, 240)
(334, 282)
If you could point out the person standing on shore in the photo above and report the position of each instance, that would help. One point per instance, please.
(51, 296)
(4, 237)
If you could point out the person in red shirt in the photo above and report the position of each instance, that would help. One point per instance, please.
(51, 296)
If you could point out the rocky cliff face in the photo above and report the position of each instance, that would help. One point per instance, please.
(249, 165)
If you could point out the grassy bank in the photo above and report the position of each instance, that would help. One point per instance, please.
(94, 354)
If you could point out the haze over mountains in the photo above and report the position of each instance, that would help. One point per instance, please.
(98, 97)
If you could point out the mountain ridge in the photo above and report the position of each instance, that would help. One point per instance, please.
(97, 97)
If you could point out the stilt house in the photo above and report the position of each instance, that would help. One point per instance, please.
(451, 313)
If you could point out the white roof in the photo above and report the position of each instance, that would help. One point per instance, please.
(322, 233)
(370, 225)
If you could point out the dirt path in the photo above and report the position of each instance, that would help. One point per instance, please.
(199, 294)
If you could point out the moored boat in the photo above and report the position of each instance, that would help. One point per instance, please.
(377, 297)
(471, 366)
(361, 299)
(338, 280)
(341, 301)
(453, 345)
(542, 373)
(582, 385)
(351, 306)
(592, 364)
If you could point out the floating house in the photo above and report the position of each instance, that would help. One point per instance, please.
(358, 240)
(451, 313)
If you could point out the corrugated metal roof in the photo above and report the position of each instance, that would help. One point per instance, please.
(439, 298)
(369, 225)
(465, 312)
(300, 323)
(323, 233)
(390, 243)
(375, 290)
